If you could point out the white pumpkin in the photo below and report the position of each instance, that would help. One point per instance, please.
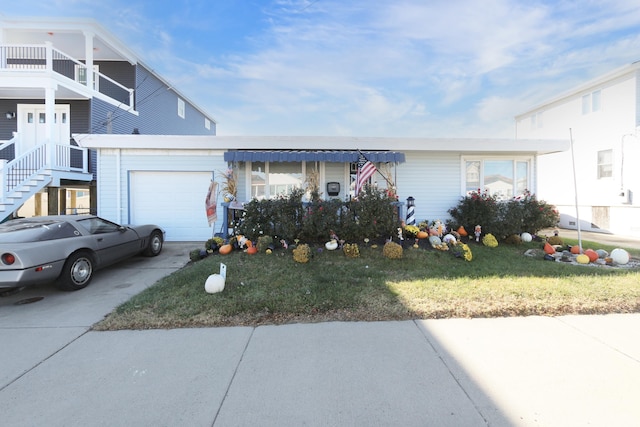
(215, 282)
(331, 245)
(526, 237)
(620, 256)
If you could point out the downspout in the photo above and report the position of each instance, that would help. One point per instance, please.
(119, 185)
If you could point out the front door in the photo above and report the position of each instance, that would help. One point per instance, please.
(32, 126)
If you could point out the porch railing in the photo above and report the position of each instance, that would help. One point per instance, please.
(45, 58)
(55, 157)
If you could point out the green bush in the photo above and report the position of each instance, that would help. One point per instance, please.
(373, 215)
(503, 218)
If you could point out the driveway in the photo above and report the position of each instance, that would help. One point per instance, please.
(38, 321)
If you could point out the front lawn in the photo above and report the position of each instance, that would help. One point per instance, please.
(425, 283)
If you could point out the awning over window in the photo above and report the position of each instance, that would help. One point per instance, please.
(336, 156)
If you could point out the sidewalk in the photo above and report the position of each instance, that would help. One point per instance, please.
(531, 371)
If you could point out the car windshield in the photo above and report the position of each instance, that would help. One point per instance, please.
(21, 231)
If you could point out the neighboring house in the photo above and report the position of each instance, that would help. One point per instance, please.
(60, 77)
(602, 116)
(164, 179)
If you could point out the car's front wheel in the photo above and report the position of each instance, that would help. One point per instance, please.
(77, 272)
(155, 244)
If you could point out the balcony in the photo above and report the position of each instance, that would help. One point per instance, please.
(34, 60)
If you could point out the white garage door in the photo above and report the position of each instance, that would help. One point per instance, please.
(174, 201)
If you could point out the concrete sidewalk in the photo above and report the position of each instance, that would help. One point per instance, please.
(565, 371)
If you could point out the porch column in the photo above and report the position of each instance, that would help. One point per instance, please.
(52, 207)
(93, 198)
(88, 54)
(37, 204)
(63, 201)
(50, 110)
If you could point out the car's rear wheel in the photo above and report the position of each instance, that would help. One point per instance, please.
(77, 272)
(155, 244)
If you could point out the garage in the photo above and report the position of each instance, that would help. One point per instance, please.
(173, 200)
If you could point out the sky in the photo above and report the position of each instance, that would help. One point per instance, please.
(402, 68)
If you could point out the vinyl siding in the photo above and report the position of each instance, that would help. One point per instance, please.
(433, 180)
(335, 172)
(138, 160)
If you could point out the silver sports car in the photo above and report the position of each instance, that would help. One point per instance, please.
(68, 249)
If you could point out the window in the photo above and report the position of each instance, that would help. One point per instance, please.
(591, 102)
(502, 178)
(536, 120)
(207, 123)
(181, 108)
(273, 179)
(605, 164)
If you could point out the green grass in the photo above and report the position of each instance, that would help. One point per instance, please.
(425, 283)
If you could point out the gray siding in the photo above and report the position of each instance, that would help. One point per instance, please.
(335, 172)
(158, 108)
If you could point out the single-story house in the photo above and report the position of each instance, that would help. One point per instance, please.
(164, 179)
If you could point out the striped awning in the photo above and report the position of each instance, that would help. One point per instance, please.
(335, 156)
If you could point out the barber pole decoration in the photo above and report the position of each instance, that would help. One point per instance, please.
(411, 216)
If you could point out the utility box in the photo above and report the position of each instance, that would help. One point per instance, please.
(333, 188)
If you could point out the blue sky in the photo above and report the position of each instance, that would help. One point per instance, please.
(367, 68)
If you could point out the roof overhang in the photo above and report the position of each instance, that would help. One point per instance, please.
(286, 145)
(335, 156)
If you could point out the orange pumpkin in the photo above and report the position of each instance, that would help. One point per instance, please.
(252, 250)
(462, 231)
(225, 249)
(593, 256)
(548, 249)
(576, 250)
(422, 235)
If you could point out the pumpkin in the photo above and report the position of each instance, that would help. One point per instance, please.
(526, 237)
(576, 250)
(422, 234)
(548, 249)
(225, 249)
(582, 259)
(462, 231)
(620, 256)
(593, 256)
(252, 250)
(331, 245)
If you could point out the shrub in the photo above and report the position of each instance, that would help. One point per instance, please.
(302, 253)
(503, 218)
(392, 250)
(351, 250)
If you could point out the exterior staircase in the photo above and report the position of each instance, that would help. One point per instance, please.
(42, 166)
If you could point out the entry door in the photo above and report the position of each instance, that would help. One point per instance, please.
(32, 126)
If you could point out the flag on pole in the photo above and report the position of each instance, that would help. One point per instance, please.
(211, 203)
(366, 169)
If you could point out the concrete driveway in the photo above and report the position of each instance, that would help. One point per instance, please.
(32, 331)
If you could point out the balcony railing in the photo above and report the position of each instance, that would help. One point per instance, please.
(45, 58)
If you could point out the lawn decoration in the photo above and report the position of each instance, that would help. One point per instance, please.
(392, 250)
(576, 250)
(548, 249)
(620, 256)
(331, 245)
(526, 237)
(302, 253)
(215, 282)
(593, 256)
(225, 249)
(462, 232)
(490, 241)
(582, 259)
(477, 231)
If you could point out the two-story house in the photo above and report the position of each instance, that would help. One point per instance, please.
(601, 117)
(60, 77)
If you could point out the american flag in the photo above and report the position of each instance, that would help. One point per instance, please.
(365, 170)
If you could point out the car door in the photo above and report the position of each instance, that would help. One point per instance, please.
(113, 242)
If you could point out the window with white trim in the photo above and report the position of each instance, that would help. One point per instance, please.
(181, 108)
(270, 180)
(605, 164)
(591, 102)
(503, 178)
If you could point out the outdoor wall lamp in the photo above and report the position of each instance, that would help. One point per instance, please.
(10, 115)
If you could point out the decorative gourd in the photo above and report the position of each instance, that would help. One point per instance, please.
(252, 250)
(422, 234)
(582, 259)
(593, 256)
(576, 250)
(331, 245)
(526, 237)
(620, 256)
(548, 249)
(462, 232)
(225, 249)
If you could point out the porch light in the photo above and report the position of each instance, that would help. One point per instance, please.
(10, 115)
